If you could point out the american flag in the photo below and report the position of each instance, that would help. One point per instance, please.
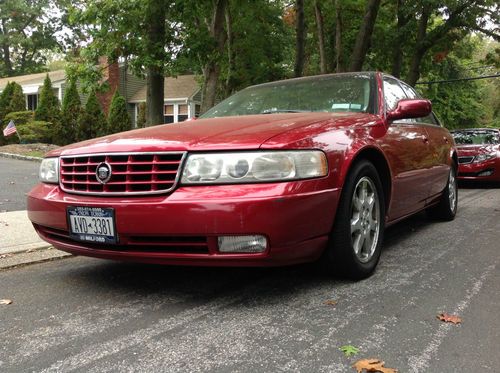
(10, 129)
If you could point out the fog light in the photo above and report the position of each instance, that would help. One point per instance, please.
(485, 173)
(242, 244)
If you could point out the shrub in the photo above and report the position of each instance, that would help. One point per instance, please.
(48, 106)
(118, 119)
(30, 130)
(71, 111)
(17, 100)
(141, 115)
(5, 100)
(19, 117)
(92, 122)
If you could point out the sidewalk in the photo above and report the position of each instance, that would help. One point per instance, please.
(17, 233)
(20, 244)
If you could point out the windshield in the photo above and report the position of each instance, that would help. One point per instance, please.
(476, 137)
(327, 93)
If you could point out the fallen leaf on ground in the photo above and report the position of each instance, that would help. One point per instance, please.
(5, 256)
(449, 318)
(5, 301)
(349, 350)
(372, 365)
(331, 302)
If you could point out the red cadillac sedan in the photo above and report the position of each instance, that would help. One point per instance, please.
(280, 173)
(478, 154)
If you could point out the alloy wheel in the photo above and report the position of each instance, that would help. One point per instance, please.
(365, 219)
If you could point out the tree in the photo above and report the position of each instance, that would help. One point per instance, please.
(48, 106)
(155, 49)
(26, 35)
(17, 100)
(70, 116)
(5, 100)
(364, 35)
(321, 37)
(136, 30)
(211, 70)
(300, 38)
(118, 118)
(92, 123)
(462, 17)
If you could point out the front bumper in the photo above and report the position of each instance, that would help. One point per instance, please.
(482, 171)
(182, 227)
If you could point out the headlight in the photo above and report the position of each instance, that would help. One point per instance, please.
(484, 157)
(49, 170)
(251, 167)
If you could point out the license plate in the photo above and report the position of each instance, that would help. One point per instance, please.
(92, 224)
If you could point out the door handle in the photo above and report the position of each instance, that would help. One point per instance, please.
(425, 139)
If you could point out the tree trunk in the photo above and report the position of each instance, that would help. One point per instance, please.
(321, 37)
(300, 32)
(211, 70)
(339, 67)
(154, 96)
(397, 56)
(418, 54)
(364, 35)
(230, 53)
(155, 46)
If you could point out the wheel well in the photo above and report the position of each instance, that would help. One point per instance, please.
(378, 160)
(455, 159)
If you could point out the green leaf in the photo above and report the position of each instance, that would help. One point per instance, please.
(349, 350)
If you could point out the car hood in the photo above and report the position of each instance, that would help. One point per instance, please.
(473, 150)
(226, 133)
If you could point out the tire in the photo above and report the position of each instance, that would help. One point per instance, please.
(446, 209)
(360, 219)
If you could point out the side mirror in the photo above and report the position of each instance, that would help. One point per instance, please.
(411, 108)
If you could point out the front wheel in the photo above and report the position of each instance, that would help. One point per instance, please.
(356, 238)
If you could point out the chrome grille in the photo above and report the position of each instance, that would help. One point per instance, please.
(131, 173)
(465, 160)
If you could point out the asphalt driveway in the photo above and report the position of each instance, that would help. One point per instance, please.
(88, 315)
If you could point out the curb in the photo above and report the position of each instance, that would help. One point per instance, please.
(22, 157)
(33, 256)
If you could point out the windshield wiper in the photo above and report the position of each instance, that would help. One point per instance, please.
(275, 111)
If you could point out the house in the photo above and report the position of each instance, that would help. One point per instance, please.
(32, 84)
(182, 93)
(182, 99)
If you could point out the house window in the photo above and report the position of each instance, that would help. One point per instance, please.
(168, 114)
(183, 113)
(32, 101)
(197, 109)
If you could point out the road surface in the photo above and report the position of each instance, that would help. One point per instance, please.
(88, 315)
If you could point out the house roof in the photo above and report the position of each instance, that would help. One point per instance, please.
(33, 79)
(182, 86)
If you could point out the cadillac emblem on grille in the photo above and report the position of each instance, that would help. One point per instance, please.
(103, 172)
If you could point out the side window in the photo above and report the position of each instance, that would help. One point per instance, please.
(392, 93)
